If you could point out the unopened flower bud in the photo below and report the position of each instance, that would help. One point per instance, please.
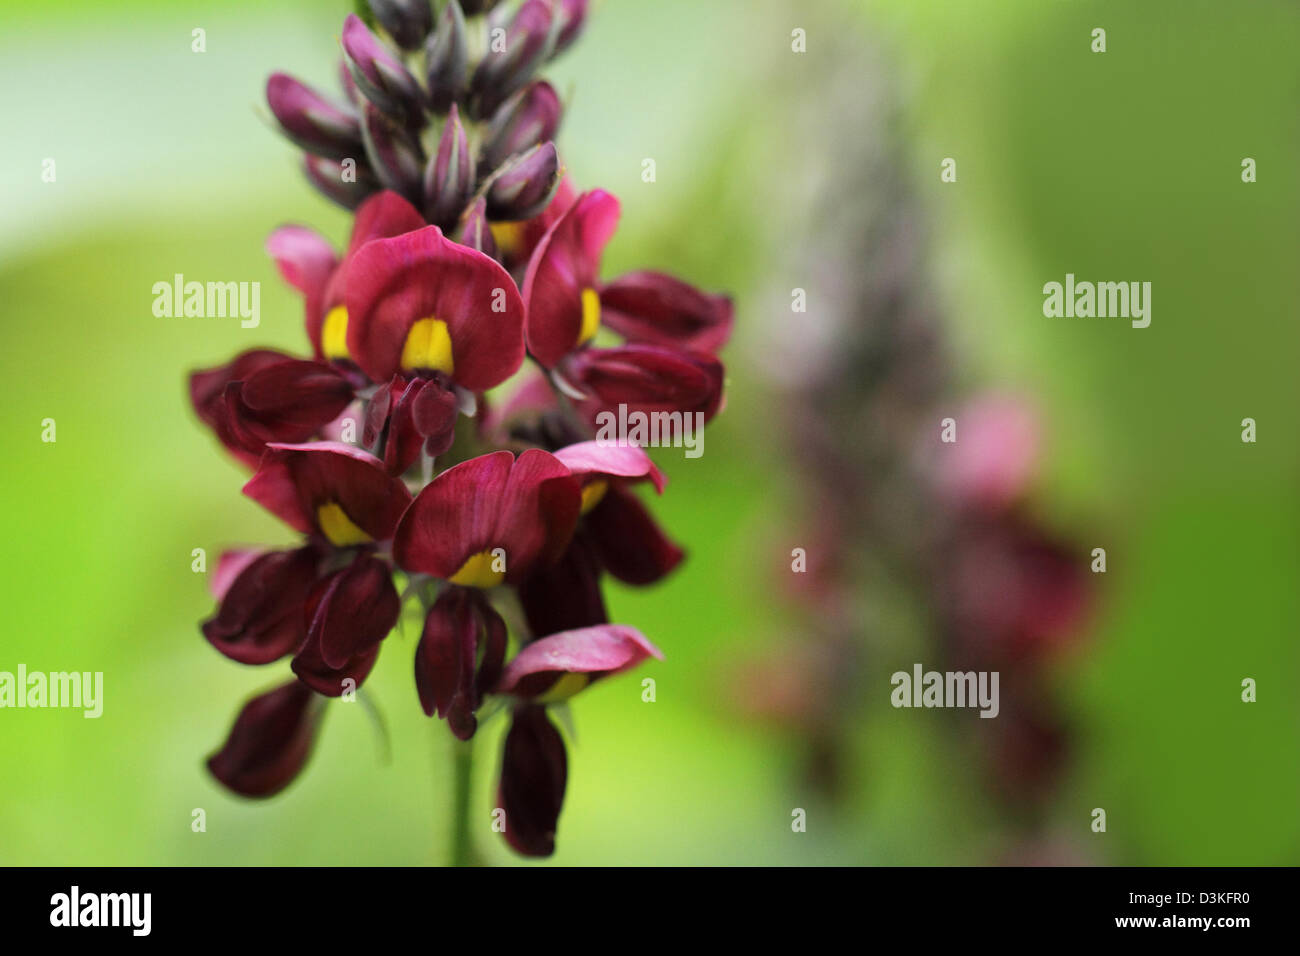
(447, 59)
(449, 178)
(530, 117)
(526, 46)
(571, 17)
(522, 188)
(379, 75)
(407, 21)
(474, 231)
(312, 121)
(473, 8)
(347, 182)
(395, 155)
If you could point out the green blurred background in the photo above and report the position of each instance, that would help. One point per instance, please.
(1112, 166)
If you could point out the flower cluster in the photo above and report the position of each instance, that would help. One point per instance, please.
(469, 264)
(914, 547)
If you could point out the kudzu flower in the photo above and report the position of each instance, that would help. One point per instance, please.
(469, 255)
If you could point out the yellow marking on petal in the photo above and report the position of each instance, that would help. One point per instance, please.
(564, 688)
(592, 493)
(338, 527)
(334, 333)
(428, 345)
(478, 572)
(509, 236)
(590, 316)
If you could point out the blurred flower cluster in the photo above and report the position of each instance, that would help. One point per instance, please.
(471, 262)
(906, 535)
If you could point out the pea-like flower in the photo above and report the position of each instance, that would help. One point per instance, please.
(386, 447)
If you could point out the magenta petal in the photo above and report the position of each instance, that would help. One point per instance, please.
(394, 283)
(454, 516)
(601, 650)
(566, 261)
(269, 743)
(598, 458)
(534, 771)
(304, 257)
(357, 610)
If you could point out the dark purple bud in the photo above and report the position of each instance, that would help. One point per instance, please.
(347, 182)
(395, 155)
(447, 60)
(522, 188)
(347, 84)
(513, 56)
(407, 21)
(380, 76)
(473, 8)
(269, 743)
(570, 17)
(449, 177)
(312, 121)
(530, 117)
(534, 771)
(474, 231)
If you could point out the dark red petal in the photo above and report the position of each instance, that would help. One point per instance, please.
(309, 663)
(229, 566)
(378, 408)
(208, 386)
(269, 743)
(539, 512)
(394, 283)
(534, 771)
(331, 682)
(356, 611)
(295, 481)
(566, 261)
(660, 309)
(261, 617)
(445, 660)
(495, 637)
(297, 395)
(454, 516)
(601, 650)
(647, 379)
(628, 541)
(382, 216)
(402, 442)
(566, 594)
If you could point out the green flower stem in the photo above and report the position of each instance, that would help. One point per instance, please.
(462, 849)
